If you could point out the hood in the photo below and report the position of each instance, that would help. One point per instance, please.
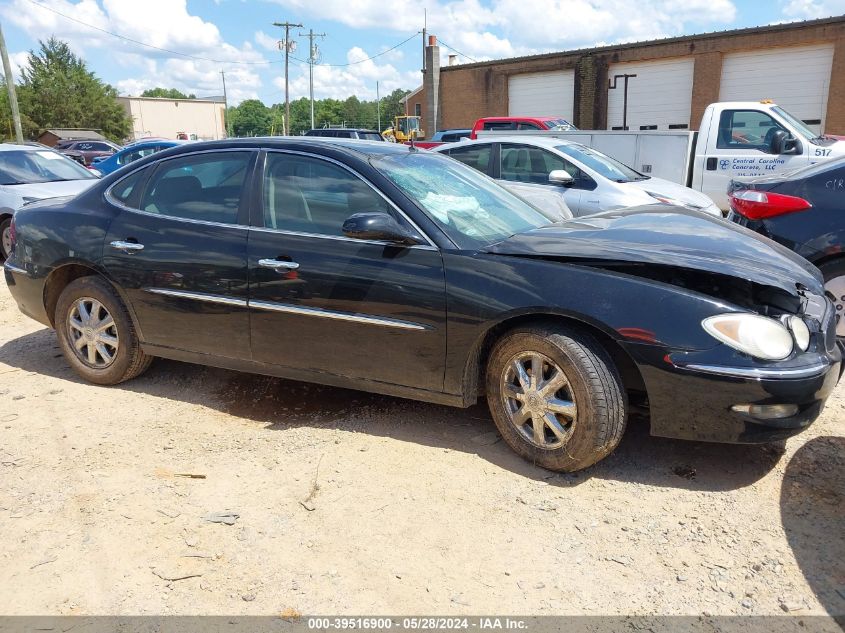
(680, 239)
(41, 190)
(673, 190)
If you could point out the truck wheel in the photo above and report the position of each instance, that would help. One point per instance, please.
(5, 238)
(834, 282)
(556, 397)
(96, 334)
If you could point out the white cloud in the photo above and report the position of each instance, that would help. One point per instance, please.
(165, 24)
(266, 41)
(809, 9)
(505, 28)
(340, 82)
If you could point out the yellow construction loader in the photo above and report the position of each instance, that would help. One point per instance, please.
(404, 128)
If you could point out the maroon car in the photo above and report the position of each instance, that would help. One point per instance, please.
(84, 152)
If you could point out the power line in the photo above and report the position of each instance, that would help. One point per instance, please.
(139, 43)
(361, 61)
(458, 52)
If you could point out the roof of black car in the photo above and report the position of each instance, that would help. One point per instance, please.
(367, 148)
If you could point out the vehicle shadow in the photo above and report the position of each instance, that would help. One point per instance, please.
(283, 404)
(812, 506)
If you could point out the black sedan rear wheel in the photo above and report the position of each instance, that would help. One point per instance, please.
(556, 397)
(834, 283)
(96, 333)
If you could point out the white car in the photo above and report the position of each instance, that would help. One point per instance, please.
(31, 172)
(589, 181)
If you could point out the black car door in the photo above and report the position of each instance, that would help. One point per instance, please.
(324, 302)
(178, 248)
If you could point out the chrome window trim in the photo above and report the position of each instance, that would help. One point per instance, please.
(762, 373)
(198, 296)
(340, 316)
(271, 150)
(342, 238)
(107, 194)
(15, 269)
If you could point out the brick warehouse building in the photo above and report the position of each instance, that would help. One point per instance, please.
(800, 65)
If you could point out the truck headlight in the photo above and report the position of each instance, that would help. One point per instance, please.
(752, 334)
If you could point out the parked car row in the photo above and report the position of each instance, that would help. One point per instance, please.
(391, 269)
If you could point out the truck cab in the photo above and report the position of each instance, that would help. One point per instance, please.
(521, 123)
(753, 138)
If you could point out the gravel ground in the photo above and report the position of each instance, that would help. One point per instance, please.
(348, 503)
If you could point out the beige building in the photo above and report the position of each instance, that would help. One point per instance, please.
(200, 119)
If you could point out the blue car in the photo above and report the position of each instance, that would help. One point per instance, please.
(130, 154)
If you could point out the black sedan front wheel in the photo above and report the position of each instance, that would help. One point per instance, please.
(556, 397)
(96, 333)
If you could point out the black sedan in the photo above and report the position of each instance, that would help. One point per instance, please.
(389, 269)
(805, 211)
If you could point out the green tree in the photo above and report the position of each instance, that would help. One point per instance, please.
(57, 90)
(251, 118)
(7, 126)
(167, 93)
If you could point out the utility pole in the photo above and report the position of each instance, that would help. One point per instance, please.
(312, 59)
(425, 24)
(288, 49)
(378, 108)
(225, 106)
(10, 86)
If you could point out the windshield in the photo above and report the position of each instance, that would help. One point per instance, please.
(560, 124)
(22, 167)
(604, 165)
(409, 124)
(799, 125)
(471, 208)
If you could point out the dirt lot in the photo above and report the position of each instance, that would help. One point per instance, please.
(350, 503)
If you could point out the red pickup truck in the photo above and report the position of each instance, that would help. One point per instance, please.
(509, 123)
(501, 123)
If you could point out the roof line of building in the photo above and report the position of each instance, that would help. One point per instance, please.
(199, 100)
(768, 28)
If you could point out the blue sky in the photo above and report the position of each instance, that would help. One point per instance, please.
(237, 36)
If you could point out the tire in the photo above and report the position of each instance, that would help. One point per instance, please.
(834, 282)
(5, 237)
(591, 407)
(109, 351)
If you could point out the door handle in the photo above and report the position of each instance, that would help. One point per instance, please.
(277, 264)
(711, 163)
(127, 247)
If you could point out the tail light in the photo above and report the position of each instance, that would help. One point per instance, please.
(759, 205)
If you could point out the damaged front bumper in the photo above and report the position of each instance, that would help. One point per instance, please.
(696, 399)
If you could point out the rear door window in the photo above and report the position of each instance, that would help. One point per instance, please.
(499, 125)
(208, 187)
(475, 155)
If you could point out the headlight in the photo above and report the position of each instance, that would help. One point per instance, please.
(800, 331)
(755, 335)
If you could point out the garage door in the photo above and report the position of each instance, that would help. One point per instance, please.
(659, 97)
(796, 78)
(542, 94)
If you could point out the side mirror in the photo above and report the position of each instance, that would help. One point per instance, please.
(783, 143)
(560, 177)
(378, 226)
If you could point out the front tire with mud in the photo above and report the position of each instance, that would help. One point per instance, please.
(96, 333)
(556, 396)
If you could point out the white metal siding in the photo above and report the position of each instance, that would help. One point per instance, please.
(797, 78)
(542, 94)
(660, 94)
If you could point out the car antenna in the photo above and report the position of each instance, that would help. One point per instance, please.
(413, 147)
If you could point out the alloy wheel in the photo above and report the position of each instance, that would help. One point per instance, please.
(7, 241)
(92, 333)
(539, 400)
(836, 287)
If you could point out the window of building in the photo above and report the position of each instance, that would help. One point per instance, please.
(417, 109)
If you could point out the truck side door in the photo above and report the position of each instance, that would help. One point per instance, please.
(738, 146)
